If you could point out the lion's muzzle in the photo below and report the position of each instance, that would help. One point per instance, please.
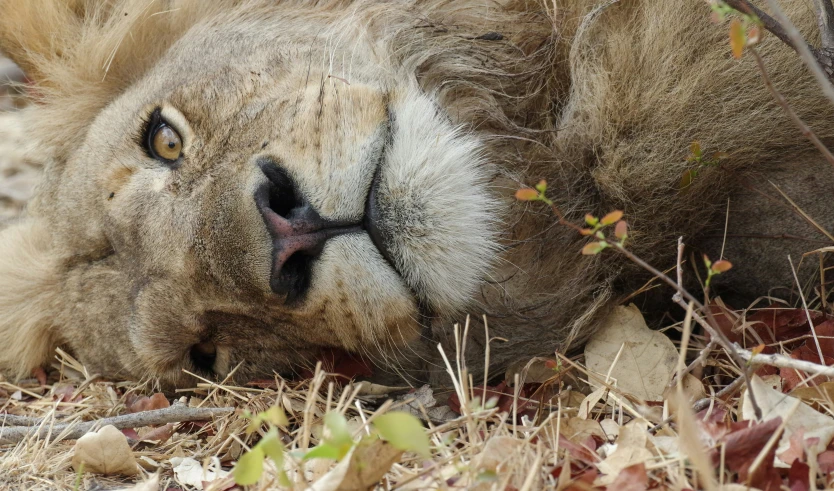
(298, 232)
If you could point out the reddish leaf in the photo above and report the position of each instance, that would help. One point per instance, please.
(621, 230)
(131, 433)
(612, 217)
(137, 404)
(592, 248)
(39, 374)
(799, 477)
(159, 435)
(721, 266)
(633, 478)
(737, 38)
(526, 194)
(825, 461)
(796, 448)
(63, 392)
(343, 363)
(741, 449)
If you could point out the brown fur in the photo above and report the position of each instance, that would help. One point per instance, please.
(128, 270)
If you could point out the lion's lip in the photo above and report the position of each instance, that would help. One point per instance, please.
(371, 220)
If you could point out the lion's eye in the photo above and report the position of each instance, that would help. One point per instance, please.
(166, 143)
(161, 140)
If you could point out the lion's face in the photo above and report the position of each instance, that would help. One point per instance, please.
(277, 184)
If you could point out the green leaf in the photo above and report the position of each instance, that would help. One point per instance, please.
(324, 451)
(337, 427)
(541, 186)
(249, 467)
(403, 431)
(272, 447)
(276, 416)
(591, 220)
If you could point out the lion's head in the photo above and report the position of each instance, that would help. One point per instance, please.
(257, 179)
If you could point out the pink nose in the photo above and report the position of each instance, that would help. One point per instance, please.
(298, 232)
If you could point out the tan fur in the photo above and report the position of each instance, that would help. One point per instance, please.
(31, 291)
(603, 103)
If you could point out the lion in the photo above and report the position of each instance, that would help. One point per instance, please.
(232, 187)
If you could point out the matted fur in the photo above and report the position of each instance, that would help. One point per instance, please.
(603, 103)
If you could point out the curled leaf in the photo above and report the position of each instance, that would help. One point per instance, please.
(541, 186)
(526, 194)
(612, 217)
(621, 230)
(592, 248)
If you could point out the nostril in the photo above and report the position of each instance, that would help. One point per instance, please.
(282, 193)
(203, 356)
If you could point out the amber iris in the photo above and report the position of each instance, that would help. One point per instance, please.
(166, 143)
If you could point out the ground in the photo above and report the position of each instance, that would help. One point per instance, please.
(635, 411)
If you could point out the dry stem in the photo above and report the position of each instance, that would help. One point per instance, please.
(72, 431)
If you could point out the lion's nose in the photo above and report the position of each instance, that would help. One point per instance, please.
(297, 230)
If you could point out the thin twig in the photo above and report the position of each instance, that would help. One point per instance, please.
(782, 361)
(704, 403)
(709, 325)
(72, 431)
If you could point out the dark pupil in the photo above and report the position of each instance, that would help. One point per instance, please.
(171, 144)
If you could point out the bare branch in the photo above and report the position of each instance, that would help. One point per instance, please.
(825, 19)
(782, 361)
(812, 60)
(72, 431)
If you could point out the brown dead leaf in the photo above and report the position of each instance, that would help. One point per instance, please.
(362, 467)
(104, 452)
(775, 405)
(631, 450)
(648, 358)
(577, 429)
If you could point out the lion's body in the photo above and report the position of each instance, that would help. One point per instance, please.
(423, 117)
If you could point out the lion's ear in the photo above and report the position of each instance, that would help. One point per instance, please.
(37, 33)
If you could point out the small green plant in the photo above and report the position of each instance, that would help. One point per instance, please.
(402, 430)
(715, 268)
(250, 466)
(700, 161)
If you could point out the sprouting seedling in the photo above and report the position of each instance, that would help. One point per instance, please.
(250, 466)
(716, 268)
(596, 226)
(701, 160)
